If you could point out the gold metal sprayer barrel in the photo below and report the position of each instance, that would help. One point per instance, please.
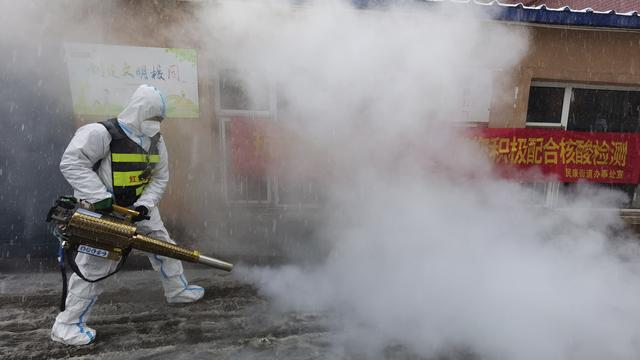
(109, 237)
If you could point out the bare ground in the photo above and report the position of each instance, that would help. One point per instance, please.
(134, 322)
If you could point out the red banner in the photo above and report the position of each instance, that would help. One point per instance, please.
(249, 145)
(569, 155)
(261, 147)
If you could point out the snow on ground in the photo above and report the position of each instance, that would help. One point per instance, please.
(232, 321)
(134, 322)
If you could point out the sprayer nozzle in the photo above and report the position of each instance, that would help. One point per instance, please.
(218, 264)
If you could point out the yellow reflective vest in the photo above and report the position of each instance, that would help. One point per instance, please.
(131, 165)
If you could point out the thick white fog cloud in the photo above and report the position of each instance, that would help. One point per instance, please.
(427, 250)
(440, 266)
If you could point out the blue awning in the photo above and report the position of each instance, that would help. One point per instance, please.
(566, 16)
(533, 14)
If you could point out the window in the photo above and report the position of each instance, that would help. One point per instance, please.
(604, 110)
(241, 186)
(238, 98)
(236, 93)
(545, 105)
(581, 107)
(298, 192)
(247, 110)
(538, 192)
(570, 190)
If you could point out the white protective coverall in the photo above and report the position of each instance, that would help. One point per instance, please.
(89, 145)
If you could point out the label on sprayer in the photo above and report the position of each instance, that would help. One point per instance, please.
(89, 213)
(93, 251)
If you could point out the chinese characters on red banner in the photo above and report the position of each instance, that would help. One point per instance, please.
(569, 155)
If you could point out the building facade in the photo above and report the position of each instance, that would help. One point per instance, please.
(581, 72)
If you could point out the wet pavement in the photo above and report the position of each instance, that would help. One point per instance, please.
(133, 321)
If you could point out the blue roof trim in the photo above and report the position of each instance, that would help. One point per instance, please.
(529, 14)
(566, 16)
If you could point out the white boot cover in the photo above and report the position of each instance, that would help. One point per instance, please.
(176, 288)
(70, 327)
(188, 294)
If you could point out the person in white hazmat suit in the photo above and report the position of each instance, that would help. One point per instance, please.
(99, 163)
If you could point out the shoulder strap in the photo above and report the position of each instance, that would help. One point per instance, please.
(114, 129)
(116, 134)
(71, 259)
(153, 148)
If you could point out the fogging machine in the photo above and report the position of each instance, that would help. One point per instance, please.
(111, 236)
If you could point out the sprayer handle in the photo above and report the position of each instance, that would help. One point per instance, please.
(125, 211)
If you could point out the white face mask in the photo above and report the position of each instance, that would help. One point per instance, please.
(150, 127)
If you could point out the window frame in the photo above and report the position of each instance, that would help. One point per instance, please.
(566, 102)
(219, 111)
(552, 188)
(224, 117)
(226, 172)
